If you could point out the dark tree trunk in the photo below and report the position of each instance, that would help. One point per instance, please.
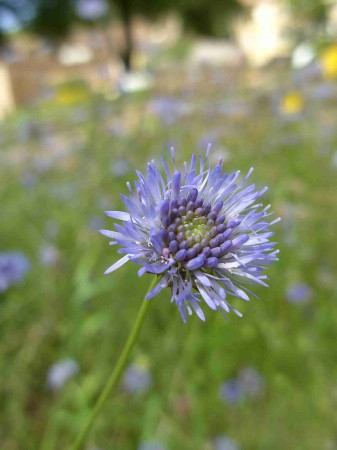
(126, 15)
(3, 42)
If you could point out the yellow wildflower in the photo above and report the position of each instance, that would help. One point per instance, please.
(329, 62)
(291, 103)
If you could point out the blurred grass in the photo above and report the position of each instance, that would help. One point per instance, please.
(57, 178)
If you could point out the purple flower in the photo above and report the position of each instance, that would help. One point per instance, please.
(225, 443)
(248, 385)
(323, 91)
(151, 445)
(49, 255)
(13, 267)
(91, 9)
(203, 233)
(60, 372)
(299, 293)
(232, 391)
(137, 379)
(169, 109)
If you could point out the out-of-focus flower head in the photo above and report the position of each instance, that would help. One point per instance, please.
(202, 232)
(324, 91)
(169, 109)
(137, 379)
(299, 293)
(13, 267)
(49, 255)
(60, 372)
(151, 445)
(232, 391)
(291, 103)
(249, 384)
(225, 443)
(91, 9)
(329, 62)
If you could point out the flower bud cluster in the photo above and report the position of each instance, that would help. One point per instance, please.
(195, 233)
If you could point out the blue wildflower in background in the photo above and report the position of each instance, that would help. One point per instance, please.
(151, 445)
(137, 379)
(225, 443)
(248, 385)
(13, 267)
(204, 233)
(60, 372)
(299, 293)
(232, 391)
(49, 255)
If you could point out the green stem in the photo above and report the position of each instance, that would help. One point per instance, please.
(116, 374)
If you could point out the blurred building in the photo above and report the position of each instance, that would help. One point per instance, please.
(31, 68)
(261, 35)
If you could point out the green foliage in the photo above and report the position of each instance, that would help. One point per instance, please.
(313, 11)
(53, 19)
(150, 8)
(210, 18)
(309, 19)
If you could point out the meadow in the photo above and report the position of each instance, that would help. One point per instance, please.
(267, 381)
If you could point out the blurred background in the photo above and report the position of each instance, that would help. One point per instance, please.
(89, 91)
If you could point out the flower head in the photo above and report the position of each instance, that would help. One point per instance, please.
(13, 267)
(232, 391)
(200, 231)
(151, 445)
(225, 443)
(60, 372)
(299, 293)
(248, 384)
(137, 378)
